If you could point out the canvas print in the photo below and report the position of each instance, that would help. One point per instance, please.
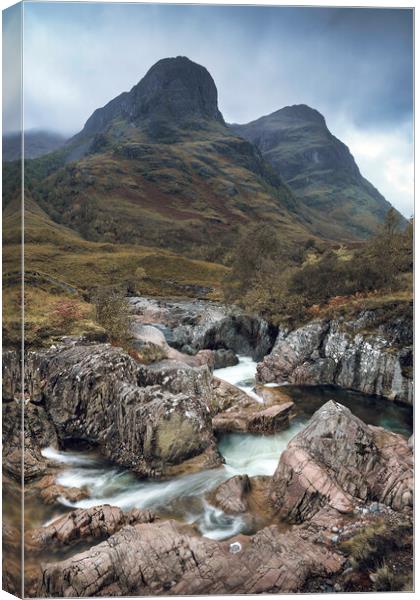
(207, 299)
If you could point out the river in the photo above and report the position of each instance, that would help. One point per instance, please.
(185, 497)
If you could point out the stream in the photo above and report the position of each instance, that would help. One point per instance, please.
(184, 497)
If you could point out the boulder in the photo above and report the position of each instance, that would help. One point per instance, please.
(193, 325)
(89, 524)
(224, 358)
(245, 496)
(146, 418)
(170, 558)
(339, 461)
(50, 492)
(230, 495)
(177, 377)
(226, 395)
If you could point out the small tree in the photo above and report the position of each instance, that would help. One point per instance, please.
(113, 314)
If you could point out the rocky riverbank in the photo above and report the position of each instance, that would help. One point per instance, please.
(339, 478)
(363, 353)
(325, 506)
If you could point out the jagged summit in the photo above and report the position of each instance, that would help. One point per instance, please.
(173, 91)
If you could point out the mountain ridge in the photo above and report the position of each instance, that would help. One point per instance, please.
(318, 167)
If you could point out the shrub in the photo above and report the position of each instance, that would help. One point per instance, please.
(113, 314)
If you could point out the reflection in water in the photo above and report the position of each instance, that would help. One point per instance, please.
(370, 409)
(184, 497)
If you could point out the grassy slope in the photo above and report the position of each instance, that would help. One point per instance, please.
(191, 196)
(60, 265)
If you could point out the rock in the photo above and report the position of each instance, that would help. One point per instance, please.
(135, 414)
(254, 418)
(245, 496)
(11, 375)
(170, 558)
(204, 357)
(49, 491)
(195, 325)
(338, 461)
(271, 419)
(226, 395)
(230, 495)
(177, 377)
(356, 354)
(148, 334)
(224, 358)
(89, 524)
(173, 91)
(38, 433)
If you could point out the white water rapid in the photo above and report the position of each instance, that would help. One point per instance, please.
(182, 497)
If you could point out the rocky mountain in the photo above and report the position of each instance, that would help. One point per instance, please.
(320, 170)
(174, 93)
(37, 143)
(158, 166)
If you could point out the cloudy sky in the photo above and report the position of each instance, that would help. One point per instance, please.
(353, 65)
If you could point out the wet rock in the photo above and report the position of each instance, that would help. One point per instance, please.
(170, 558)
(226, 395)
(271, 419)
(225, 358)
(50, 492)
(84, 524)
(230, 495)
(338, 460)
(356, 354)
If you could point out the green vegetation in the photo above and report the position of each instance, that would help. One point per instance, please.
(291, 288)
(366, 551)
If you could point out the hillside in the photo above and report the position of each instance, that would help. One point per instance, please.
(155, 184)
(158, 166)
(320, 170)
(61, 265)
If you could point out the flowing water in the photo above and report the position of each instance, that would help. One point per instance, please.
(186, 497)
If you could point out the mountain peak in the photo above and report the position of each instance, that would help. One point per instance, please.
(302, 112)
(173, 91)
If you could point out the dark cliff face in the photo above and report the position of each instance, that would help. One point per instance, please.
(320, 170)
(175, 90)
